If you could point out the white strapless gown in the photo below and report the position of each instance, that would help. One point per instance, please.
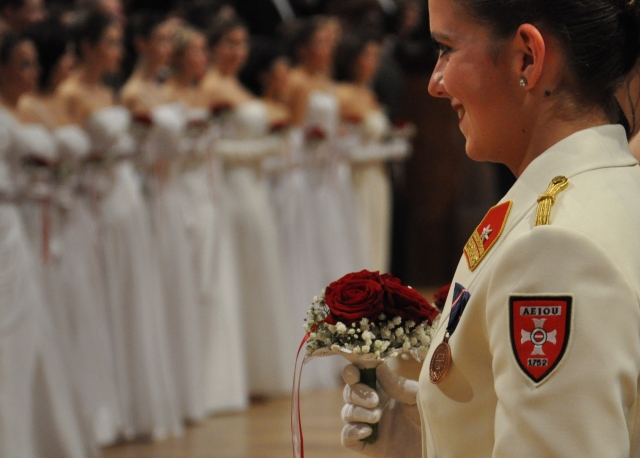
(183, 308)
(269, 336)
(37, 414)
(145, 381)
(212, 253)
(372, 187)
(73, 277)
(329, 178)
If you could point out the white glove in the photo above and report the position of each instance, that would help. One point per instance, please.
(393, 406)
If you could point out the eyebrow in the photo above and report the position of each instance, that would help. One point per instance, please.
(436, 36)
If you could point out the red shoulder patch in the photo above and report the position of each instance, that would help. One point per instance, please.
(486, 234)
(540, 327)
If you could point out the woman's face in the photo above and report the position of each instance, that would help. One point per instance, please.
(64, 67)
(482, 83)
(21, 71)
(366, 64)
(232, 51)
(320, 49)
(194, 60)
(159, 46)
(108, 51)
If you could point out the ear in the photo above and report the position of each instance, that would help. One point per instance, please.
(530, 50)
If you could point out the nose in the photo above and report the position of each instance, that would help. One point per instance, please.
(436, 83)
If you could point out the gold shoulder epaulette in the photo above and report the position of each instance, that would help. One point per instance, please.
(546, 200)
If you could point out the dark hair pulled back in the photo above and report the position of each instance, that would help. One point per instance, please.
(600, 38)
(51, 39)
(301, 33)
(221, 27)
(90, 29)
(349, 50)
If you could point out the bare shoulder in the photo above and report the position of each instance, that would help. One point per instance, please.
(132, 96)
(27, 109)
(345, 91)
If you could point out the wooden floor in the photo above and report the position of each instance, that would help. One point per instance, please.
(263, 431)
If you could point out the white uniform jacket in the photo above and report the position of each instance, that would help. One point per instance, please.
(546, 356)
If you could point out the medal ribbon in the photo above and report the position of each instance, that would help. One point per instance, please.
(460, 298)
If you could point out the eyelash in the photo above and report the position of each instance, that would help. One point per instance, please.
(443, 50)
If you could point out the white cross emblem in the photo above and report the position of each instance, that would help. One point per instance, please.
(486, 232)
(538, 336)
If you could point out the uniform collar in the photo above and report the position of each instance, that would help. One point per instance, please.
(589, 149)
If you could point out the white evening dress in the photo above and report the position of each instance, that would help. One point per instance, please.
(134, 288)
(267, 324)
(38, 418)
(77, 251)
(212, 253)
(183, 309)
(62, 235)
(329, 178)
(373, 187)
(303, 270)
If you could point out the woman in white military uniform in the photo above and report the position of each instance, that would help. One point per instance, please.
(544, 331)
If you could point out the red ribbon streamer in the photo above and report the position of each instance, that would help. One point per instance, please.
(296, 420)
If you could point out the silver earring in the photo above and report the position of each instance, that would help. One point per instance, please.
(523, 82)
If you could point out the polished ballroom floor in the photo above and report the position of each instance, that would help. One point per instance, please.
(262, 432)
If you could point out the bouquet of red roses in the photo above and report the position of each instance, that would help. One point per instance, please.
(367, 318)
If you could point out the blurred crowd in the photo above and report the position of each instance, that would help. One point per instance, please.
(173, 193)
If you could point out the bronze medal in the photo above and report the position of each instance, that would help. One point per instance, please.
(440, 363)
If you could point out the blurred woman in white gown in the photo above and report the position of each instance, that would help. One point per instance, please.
(37, 415)
(244, 142)
(209, 233)
(315, 108)
(66, 240)
(145, 383)
(357, 64)
(326, 176)
(161, 158)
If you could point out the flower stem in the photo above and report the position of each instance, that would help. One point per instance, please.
(368, 377)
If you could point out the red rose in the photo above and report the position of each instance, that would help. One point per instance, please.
(440, 297)
(143, 120)
(355, 296)
(279, 126)
(221, 109)
(405, 302)
(315, 134)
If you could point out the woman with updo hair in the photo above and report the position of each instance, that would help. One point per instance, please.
(189, 65)
(63, 229)
(37, 410)
(161, 157)
(357, 61)
(146, 388)
(538, 348)
(211, 244)
(315, 109)
(243, 143)
(152, 38)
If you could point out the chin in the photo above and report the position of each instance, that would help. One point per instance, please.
(477, 153)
